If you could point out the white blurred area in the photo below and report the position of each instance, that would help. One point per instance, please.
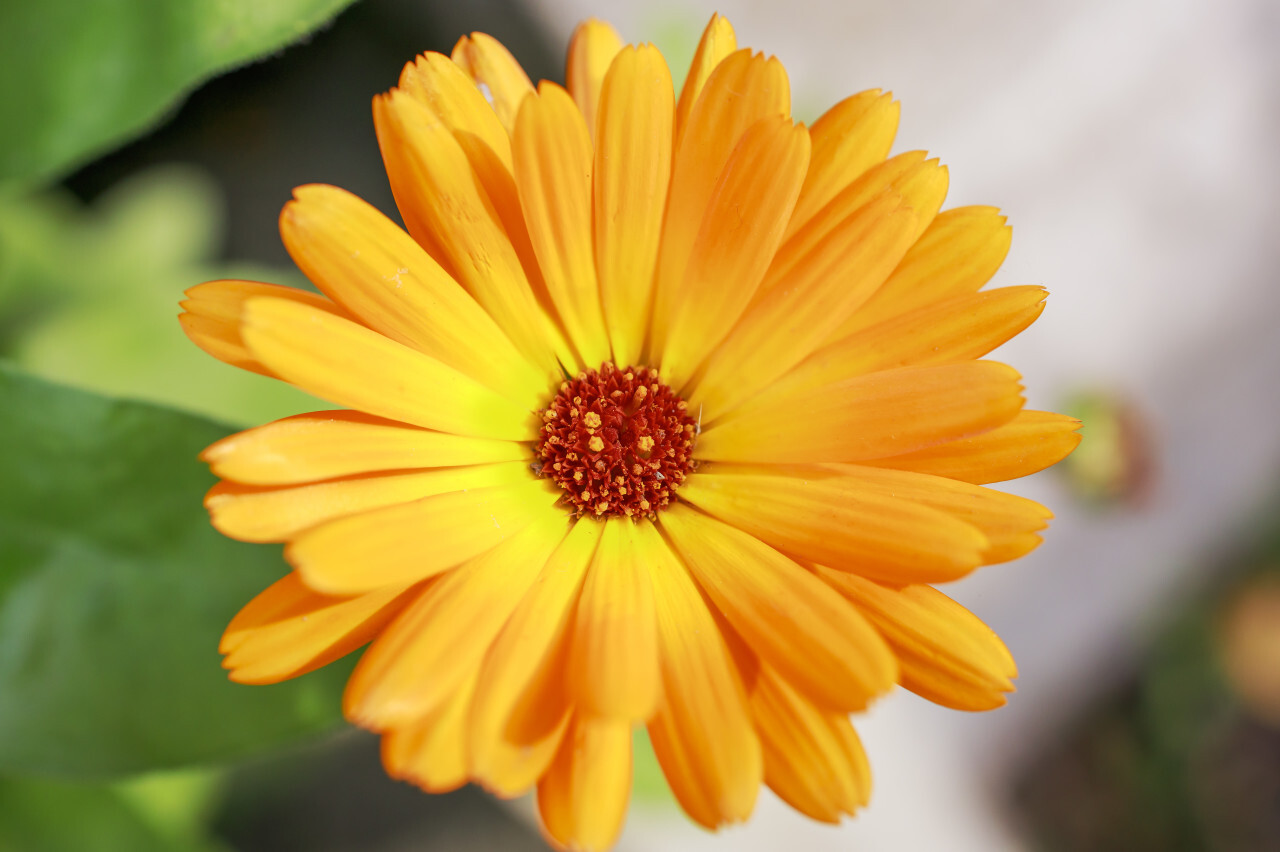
(1133, 144)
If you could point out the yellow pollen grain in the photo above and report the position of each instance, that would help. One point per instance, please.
(641, 393)
(596, 444)
(645, 443)
(644, 505)
(591, 420)
(577, 474)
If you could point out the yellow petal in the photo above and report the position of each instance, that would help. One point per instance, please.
(795, 622)
(431, 752)
(788, 321)
(553, 156)
(454, 101)
(920, 183)
(946, 653)
(441, 638)
(717, 42)
(958, 329)
(264, 514)
(958, 253)
(1008, 521)
(591, 50)
(498, 75)
(848, 139)
(521, 708)
(331, 444)
(815, 514)
(1029, 443)
(222, 341)
(872, 416)
(742, 90)
(740, 232)
(582, 799)
(346, 363)
(289, 630)
(702, 734)
(409, 541)
(613, 661)
(632, 172)
(212, 317)
(362, 261)
(444, 204)
(813, 758)
(442, 87)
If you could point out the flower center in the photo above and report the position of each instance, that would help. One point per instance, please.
(618, 441)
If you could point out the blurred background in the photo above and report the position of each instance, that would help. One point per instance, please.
(1133, 145)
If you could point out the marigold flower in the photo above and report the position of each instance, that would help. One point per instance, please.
(665, 411)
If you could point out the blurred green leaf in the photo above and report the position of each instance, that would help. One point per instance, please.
(50, 816)
(81, 77)
(93, 295)
(114, 590)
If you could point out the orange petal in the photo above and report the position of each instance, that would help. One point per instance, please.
(553, 156)
(813, 758)
(331, 444)
(794, 621)
(454, 101)
(582, 799)
(498, 75)
(742, 90)
(613, 661)
(346, 363)
(212, 317)
(265, 514)
(441, 638)
(958, 329)
(431, 752)
(717, 43)
(814, 514)
(848, 139)
(362, 261)
(1008, 521)
(865, 417)
(521, 708)
(442, 87)
(702, 734)
(788, 321)
(444, 204)
(591, 50)
(922, 186)
(289, 630)
(739, 234)
(956, 255)
(632, 172)
(1029, 443)
(406, 542)
(946, 654)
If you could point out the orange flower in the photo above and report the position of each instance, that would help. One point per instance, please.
(664, 412)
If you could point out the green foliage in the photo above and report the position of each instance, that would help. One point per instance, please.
(91, 294)
(84, 77)
(114, 590)
(39, 815)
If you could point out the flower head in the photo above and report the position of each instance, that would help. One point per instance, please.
(664, 411)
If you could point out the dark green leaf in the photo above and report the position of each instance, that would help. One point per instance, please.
(81, 77)
(114, 590)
